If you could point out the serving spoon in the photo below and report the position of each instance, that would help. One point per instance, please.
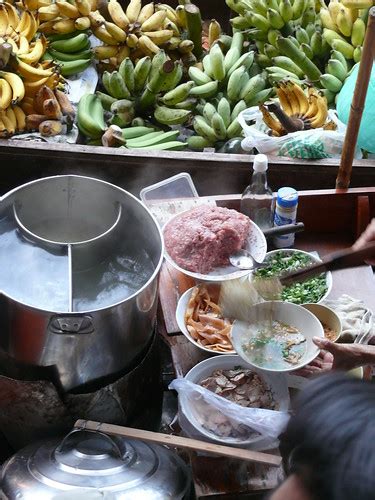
(243, 258)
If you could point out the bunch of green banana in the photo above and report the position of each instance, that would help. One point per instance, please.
(71, 52)
(345, 26)
(155, 140)
(217, 122)
(90, 116)
(337, 70)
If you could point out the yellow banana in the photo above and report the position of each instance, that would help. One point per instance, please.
(48, 13)
(116, 32)
(13, 44)
(146, 12)
(67, 9)
(20, 118)
(171, 13)
(31, 88)
(117, 14)
(84, 7)
(36, 53)
(96, 19)
(132, 41)
(271, 122)
(10, 129)
(181, 18)
(104, 36)
(27, 107)
(284, 101)
(322, 112)
(82, 23)
(334, 7)
(3, 132)
(122, 54)
(214, 31)
(12, 117)
(64, 26)
(103, 52)
(31, 4)
(47, 27)
(147, 46)
(4, 22)
(159, 37)
(313, 107)
(155, 21)
(23, 45)
(5, 94)
(31, 73)
(17, 85)
(30, 31)
(301, 97)
(13, 17)
(133, 10)
(293, 101)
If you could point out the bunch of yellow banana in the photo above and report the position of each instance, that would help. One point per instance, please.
(65, 17)
(12, 120)
(297, 110)
(345, 26)
(138, 31)
(13, 25)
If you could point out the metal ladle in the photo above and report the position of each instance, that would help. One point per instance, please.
(243, 258)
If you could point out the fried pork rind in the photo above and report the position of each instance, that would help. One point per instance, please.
(204, 320)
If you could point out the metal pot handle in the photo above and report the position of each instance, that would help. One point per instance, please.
(114, 447)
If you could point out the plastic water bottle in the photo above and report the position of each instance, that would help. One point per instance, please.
(257, 201)
(285, 213)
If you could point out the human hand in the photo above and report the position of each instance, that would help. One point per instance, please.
(321, 364)
(367, 236)
(346, 356)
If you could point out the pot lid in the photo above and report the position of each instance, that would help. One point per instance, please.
(116, 467)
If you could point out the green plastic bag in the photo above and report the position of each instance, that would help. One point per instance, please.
(366, 136)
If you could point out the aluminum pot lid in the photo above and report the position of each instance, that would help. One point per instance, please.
(84, 460)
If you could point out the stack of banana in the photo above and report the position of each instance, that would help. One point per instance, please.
(345, 26)
(72, 53)
(62, 16)
(296, 111)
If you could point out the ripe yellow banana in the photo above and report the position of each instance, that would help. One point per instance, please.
(159, 37)
(146, 12)
(147, 46)
(12, 117)
(116, 32)
(84, 7)
(4, 22)
(271, 122)
(133, 10)
(5, 94)
(17, 85)
(155, 21)
(36, 53)
(132, 41)
(31, 88)
(123, 53)
(9, 128)
(96, 19)
(301, 97)
(171, 13)
(313, 107)
(117, 14)
(214, 32)
(322, 113)
(104, 36)
(31, 4)
(292, 98)
(31, 73)
(284, 101)
(64, 26)
(23, 46)
(103, 52)
(67, 9)
(181, 17)
(13, 17)
(47, 27)
(82, 23)
(20, 118)
(48, 13)
(13, 44)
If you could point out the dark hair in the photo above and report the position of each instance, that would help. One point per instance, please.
(330, 441)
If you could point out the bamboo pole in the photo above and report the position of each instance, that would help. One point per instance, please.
(357, 106)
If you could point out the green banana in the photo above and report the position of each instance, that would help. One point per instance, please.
(198, 76)
(308, 16)
(272, 37)
(206, 61)
(63, 36)
(203, 129)
(234, 84)
(208, 111)
(330, 36)
(126, 70)
(330, 82)
(157, 62)
(73, 44)
(168, 116)
(262, 60)
(246, 60)
(287, 47)
(298, 8)
(106, 80)
(307, 50)
(141, 72)
(198, 143)
(219, 127)
(335, 68)
(217, 63)
(275, 19)
(234, 129)
(178, 94)
(106, 100)
(166, 146)
(260, 22)
(255, 85)
(270, 51)
(205, 91)
(259, 98)
(358, 32)
(90, 116)
(344, 47)
(316, 44)
(302, 36)
(237, 41)
(238, 108)
(231, 57)
(118, 87)
(286, 10)
(138, 122)
(335, 54)
(190, 104)
(68, 68)
(146, 141)
(240, 23)
(61, 56)
(173, 78)
(311, 29)
(224, 110)
(357, 54)
(287, 64)
(133, 132)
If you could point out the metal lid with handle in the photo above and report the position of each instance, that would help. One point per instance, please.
(87, 462)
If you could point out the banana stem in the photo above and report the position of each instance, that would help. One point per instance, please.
(194, 28)
(290, 124)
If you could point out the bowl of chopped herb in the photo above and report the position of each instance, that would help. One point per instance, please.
(279, 262)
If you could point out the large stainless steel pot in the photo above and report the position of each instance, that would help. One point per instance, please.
(90, 465)
(79, 261)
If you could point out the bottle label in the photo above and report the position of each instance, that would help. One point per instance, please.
(285, 240)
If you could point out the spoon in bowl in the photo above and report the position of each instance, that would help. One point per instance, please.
(243, 258)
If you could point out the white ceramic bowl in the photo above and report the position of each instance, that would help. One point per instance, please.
(289, 251)
(180, 318)
(256, 245)
(276, 382)
(285, 312)
(327, 316)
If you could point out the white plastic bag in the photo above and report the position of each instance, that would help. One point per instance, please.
(255, 426)
(307, 144)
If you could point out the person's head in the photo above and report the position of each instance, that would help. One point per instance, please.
(328, 448)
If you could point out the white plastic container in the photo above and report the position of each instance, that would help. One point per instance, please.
(285, 213)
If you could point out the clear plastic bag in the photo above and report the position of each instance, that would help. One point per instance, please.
(205, 415)
(305, 144)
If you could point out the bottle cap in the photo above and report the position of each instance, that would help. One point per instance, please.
(260, 163)
(287, 197)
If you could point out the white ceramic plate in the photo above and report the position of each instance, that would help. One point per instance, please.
(180, 318)
(276, 382)
(285, 312)
(256, 245)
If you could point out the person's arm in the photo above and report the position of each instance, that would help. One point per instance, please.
(367, 236)
(347, 356)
